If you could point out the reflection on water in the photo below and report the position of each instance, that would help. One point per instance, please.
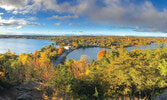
(152, 46)
(92, 52)
(22, 45)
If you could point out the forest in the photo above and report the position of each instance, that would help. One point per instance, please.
(117, 74)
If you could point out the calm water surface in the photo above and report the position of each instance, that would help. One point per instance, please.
(22, 45)
(92, 52)
(30, 45)
(152, 46)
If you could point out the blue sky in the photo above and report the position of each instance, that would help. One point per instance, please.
(84, 17)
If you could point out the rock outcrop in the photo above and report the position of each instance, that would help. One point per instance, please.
(27, 91)
(1, 88)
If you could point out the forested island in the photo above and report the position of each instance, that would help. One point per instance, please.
(117, 74)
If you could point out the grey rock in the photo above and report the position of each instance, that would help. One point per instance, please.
(25, 96)
(163, 96)
(5, 98)
(50, 91)
(1, 88)
(29, 86)
(25, 91)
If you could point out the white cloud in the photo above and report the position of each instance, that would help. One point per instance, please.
(19, 27)
(1, 14)
(58, 24)
(18, 23)
(111, 12)
(13, 4)
(32, 18)
(70, 24)
(21, 6)
(114, 12)
(76, 24)
(64, 17)
(137, 27)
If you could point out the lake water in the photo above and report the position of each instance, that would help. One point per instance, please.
(152, 46)
(22, 45)
(93, 51)
(30, 45)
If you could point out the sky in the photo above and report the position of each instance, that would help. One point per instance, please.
(84, 17)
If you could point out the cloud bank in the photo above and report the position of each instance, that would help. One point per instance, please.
(64, 17)
(18, 23)
(143, 16)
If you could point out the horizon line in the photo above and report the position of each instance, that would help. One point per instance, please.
(65, 35)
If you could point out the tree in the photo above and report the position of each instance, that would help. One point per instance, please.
(62, 80)
(101, 54)
(60, 50)
(85, 57)
(36, 54)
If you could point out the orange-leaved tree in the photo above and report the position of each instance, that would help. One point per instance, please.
(60, 50)
(101, 54)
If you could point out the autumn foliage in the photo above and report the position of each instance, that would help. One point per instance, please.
(60, 50)
(101, 54)
(117, 74)
(36, 54)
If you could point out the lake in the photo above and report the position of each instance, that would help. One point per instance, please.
(152, 46)
(30, 45)
(22, 45)
(93, 51)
